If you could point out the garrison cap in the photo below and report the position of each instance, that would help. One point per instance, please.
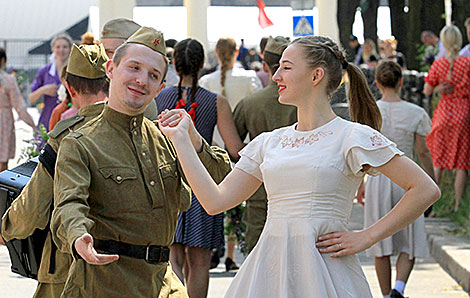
(119, 28)
(87, 61)
(276, 45)
(151, 38)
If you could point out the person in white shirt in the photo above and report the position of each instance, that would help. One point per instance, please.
(233, 82)
(465, 51)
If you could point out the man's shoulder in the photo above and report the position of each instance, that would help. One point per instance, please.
(65, 126)
(259, 98)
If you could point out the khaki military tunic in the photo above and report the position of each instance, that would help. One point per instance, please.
(117, 178)
(257, 113)
(31, 210)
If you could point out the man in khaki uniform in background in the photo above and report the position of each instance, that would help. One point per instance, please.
(88, 85)
(115, 32)
(257, 113)
(118, 186)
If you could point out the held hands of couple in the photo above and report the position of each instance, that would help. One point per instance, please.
(344, 243)
(176, 124)
(84, 247)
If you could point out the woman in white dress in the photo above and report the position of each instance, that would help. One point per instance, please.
(311, 171)
(407, 125)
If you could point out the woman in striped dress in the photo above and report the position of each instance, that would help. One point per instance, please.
(197, 233)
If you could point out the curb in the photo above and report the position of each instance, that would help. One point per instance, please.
(450, 251)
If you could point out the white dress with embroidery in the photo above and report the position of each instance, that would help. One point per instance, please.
(311, 178)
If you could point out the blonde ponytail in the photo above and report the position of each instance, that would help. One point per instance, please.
(452, 40)
(226, 48)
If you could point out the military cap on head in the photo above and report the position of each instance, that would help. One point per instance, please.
(87, 61)
(149, 37)
(276, 45)
(119, 28)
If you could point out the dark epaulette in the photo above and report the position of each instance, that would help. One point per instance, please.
(64, 125)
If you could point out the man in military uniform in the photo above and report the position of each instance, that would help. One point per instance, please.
(118, 186)
(257, 113)
(88, 85)
(115, 32)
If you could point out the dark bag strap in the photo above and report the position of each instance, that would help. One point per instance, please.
(48, 158)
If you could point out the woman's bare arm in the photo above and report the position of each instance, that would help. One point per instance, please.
(424, 155)
(227, 128)
(237, 187)
(421, 192)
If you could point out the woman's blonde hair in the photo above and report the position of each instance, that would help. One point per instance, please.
(452, 40)
(320, 51)
(225, 48)
(371, 43)
(63, 36)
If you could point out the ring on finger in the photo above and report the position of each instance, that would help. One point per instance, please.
(340, 246)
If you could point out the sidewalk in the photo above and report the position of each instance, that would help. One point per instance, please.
(450, 251)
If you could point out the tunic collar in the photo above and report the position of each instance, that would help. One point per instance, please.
(123, 120)
(93, 109)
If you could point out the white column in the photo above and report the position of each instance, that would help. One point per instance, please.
(196, 15)
(111, 9)
(448, 11)
(327, 24)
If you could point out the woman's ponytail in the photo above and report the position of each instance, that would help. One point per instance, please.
(362, 105)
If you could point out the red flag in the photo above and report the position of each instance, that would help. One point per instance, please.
(263, 19)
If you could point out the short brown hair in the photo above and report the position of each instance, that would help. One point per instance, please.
(388, 74)
(272, 61)
(88, 86)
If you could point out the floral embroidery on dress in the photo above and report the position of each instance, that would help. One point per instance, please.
(377, 140)
(309, 140)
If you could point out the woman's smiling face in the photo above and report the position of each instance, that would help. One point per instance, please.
(294, 76)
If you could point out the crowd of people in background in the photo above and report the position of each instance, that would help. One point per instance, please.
(236, 101)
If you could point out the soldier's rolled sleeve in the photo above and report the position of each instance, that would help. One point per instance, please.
(216, 161)
(71, 184)
(31, 209)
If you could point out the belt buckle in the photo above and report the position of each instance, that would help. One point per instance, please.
(147, 257)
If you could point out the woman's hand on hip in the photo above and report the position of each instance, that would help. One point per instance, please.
(343, 243)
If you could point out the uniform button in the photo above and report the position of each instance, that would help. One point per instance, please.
(118, 178)
(135, 132)
(135, 124)
(152, 183)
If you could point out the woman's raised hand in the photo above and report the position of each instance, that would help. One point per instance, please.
(174, 123)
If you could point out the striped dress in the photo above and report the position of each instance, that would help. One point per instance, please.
(195, 227)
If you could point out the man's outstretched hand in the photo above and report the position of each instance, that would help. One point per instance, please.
(84, 247)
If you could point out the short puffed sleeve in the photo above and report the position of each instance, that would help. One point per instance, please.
(366, 146)
(251, 157)
(424, 124)
(433, 74)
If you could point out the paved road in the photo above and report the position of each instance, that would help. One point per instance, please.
(427, 280)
